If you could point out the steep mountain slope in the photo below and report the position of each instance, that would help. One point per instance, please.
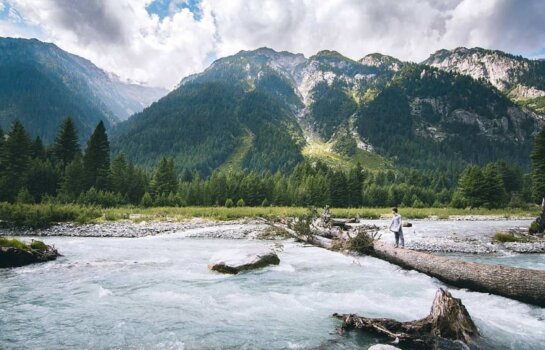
(522, 79)
(41, 85)
(204, 125)
(283, 106)
(430, 118)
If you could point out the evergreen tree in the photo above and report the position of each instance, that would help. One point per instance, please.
(66, 145)
(38, 149)
(15, 157)
(473, 186)
(119, 177)
(164, 177)
(538, 167)
(73, 182)
(43, 178)
(495, 195)
(96, 161)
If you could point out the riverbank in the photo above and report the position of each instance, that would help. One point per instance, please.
(44, 215)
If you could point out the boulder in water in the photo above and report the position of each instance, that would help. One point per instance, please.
(383, 347)
(23, 254)
(236, 261)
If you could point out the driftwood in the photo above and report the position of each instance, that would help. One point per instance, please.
(525, 285)
(521, 284)
(446, 326)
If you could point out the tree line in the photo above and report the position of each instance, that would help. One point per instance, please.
(64, 173)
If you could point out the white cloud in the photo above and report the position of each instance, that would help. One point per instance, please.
(121, 36)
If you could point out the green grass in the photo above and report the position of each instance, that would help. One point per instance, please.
(504, 237)
(323, 151)
(43, 215)
(234, 163)
(15, 243)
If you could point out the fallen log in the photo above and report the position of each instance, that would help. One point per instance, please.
(446, 326)
(525, 285)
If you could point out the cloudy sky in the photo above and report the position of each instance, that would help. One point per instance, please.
(160, 41)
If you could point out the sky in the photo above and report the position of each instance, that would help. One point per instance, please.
(158, 42)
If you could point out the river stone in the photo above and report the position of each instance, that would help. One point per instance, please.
(14, 257)
(383, 347)
(235, 261)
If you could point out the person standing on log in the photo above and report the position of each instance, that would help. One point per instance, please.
(397, 228)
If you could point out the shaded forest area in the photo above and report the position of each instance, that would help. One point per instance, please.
(63, 173)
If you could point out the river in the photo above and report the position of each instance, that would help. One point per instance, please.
(157, 293)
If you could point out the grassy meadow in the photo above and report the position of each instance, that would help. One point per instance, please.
(43, 215)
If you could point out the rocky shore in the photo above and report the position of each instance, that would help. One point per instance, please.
(129, 229)
(460, 235)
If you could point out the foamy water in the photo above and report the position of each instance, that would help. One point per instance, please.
(157, 293)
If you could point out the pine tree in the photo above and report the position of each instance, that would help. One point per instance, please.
(119, 177)
(473, 186)
(96, 161)
(66, 144)
(538, 167)
(15, 158)
(73, 182)
(495, 195)
(38, 149)
(164, 177)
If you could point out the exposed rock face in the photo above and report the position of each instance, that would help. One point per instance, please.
(233, 262)
(505, 72)
(14, 257)
(499, 69)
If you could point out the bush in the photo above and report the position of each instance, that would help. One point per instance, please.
(265, 203)
(534, 227)
(38, 245)
(229, 203)
(43, 215)
(504, 237)
(241, 203)
(363, 243)
(24, 196)
(146, 200)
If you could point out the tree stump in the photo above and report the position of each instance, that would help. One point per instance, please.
(446, 326)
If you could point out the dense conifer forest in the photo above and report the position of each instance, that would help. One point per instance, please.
(62, 172)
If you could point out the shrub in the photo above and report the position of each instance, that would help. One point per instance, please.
(534, 227)
(265, 203)
(363, 243)
(229, 203)
(24, 196)
(38, 245)
(504, 237)
(241, 203)
(146, 200)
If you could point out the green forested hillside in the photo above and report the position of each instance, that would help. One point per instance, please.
(40, 85)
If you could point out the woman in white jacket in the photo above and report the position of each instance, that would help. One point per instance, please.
(397, 228)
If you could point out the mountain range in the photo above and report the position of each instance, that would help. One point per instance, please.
(41, 84)
(268, 110)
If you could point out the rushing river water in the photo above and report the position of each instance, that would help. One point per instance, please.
(157, 293)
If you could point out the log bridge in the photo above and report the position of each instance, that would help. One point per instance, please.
(526, 285)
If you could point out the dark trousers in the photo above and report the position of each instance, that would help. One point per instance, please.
(399, 237)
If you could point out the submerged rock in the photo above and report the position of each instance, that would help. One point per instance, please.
(383, 347)
(236, 261)
(16, 257)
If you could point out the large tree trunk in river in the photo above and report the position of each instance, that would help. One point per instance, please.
(447, 324)
(521, 284)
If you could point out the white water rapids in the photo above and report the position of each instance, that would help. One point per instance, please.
(157, 293)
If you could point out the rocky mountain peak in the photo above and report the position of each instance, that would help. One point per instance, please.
(382, 61)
